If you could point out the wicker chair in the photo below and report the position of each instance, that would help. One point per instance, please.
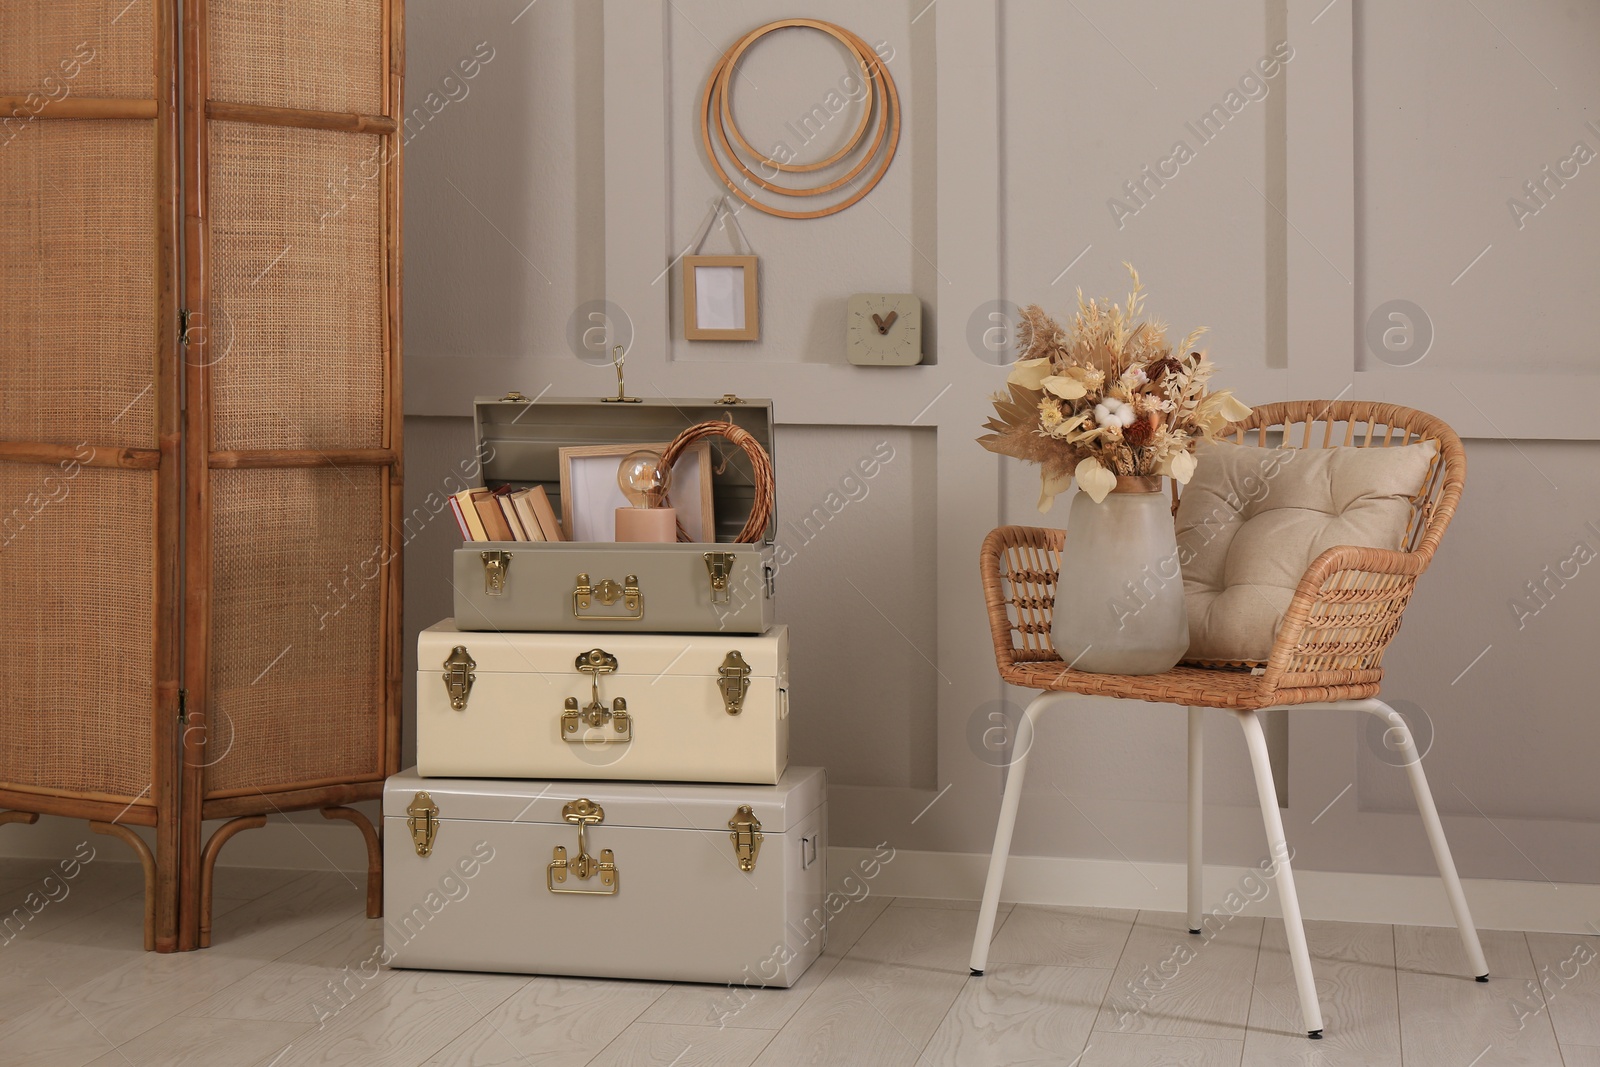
(1328, 653)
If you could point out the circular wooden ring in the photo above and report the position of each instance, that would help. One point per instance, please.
(765, 482)
(738, 163)
(730, 63)
(890, 123)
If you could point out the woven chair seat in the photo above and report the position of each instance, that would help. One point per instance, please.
(1209, 687)
(1340, 622)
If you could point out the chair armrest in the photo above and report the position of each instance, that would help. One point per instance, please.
(1343, 615)
(1027, 559)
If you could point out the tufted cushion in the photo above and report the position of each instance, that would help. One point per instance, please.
(1252, 519)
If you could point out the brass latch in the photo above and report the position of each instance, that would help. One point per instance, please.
(746, 837)
(422, 819)
(733, 678)
(729, 399)
(512, 397)
(607, 592)
(495, 565)
(622, 397)
(594, 663)
(719, 565)
(458, 676)
(584, 813)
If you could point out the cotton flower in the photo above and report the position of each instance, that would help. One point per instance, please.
(1113, 412)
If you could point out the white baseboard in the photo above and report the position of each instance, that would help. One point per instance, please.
(1411, 900)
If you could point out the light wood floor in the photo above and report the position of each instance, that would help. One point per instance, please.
(893, 989)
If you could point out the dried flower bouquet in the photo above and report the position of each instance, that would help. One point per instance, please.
(1106, 398)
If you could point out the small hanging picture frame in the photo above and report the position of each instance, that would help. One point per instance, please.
(719, 299)
(721, 293)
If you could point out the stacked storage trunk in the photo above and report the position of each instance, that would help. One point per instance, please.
(578, 679)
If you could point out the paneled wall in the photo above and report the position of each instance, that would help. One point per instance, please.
(1339, 157)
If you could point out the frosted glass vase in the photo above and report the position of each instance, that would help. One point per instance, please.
(1119, 601)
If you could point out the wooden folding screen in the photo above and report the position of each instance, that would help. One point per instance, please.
(292, 240)
(280, 338)
(90, 425)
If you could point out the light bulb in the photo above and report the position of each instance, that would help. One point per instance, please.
(643, 479)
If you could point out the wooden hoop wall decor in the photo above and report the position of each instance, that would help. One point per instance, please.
(716, 118)
(761, 469)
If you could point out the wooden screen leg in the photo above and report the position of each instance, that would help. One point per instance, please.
(148, 862)
(374, 856)
(26, 817)
(208, 865)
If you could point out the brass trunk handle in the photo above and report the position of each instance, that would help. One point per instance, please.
(584, 813)
(595, 714)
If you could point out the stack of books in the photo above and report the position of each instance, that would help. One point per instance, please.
(504, 515)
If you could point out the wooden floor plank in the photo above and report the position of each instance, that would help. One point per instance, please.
(553, 1022)
(51, 1034)
(1172, 983)
(1020, 1014)
(181, 1042)
(1062, 937)
(668, 1045)
(1449, 1021)
(401, 1024)
(1354, 968)
(1437, 950)
(1150, 1050)
(1568, 969)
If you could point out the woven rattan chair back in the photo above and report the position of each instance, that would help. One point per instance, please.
(1348, 606)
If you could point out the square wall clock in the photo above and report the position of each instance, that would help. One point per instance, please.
(883, 330)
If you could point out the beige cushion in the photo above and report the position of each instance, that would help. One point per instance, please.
(1252, 519)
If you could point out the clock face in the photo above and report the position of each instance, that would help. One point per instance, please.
(883, 330)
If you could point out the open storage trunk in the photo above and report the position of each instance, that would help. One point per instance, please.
(608, 587)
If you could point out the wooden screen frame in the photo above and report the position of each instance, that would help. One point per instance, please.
(109, 814)
(247, 810)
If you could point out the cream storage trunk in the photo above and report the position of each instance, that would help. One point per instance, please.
(647, 707)
(680, 883)
(605, 587)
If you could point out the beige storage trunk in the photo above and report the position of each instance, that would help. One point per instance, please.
(681, 883)
(652, 707)
(675, 588)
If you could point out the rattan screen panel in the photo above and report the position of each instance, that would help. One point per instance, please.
(295, 627)
(323, 55)
(296, 333)
(77, 556)
(88, 47)
(77, 283)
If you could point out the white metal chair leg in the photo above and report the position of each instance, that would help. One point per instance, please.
(1400, 734)
(1278, 848)
(1002, 833)
(1196, 815)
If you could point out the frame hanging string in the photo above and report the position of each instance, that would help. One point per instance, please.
(719, 206)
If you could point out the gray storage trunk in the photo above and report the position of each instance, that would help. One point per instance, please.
(585, 586)
(607, 879)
